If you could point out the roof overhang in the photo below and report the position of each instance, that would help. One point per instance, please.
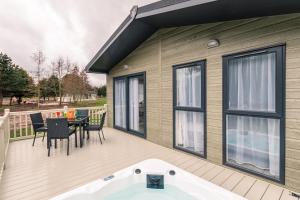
(144, 21)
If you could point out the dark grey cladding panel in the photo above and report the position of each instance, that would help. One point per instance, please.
(171, 13)
(135, 34)
(160, 4)
(222, 10)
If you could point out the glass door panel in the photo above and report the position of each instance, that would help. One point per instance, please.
(120, 103)
(136, 104)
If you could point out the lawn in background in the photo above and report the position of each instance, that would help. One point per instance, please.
(90, 103)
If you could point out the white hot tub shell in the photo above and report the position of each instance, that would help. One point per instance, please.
(186, 182)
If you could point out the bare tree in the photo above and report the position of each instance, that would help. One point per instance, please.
(68, 83)
(60, 70)
(68, 65)
(84, 86)
(39, 58)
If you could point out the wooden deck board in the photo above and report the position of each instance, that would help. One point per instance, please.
(232, 181)
(213, 173)
(286, 195)
(196, 166)
(205, 169)
(31, 175)
(244, 185)
(257, 190)
(273, 192)
(221, 178)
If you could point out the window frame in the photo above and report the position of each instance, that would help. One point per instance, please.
(202, 109)
(279, 113)
(127, 129)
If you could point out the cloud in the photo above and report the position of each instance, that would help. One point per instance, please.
(68, 28)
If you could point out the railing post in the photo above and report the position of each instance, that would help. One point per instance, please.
(105, 110)
(4, 139)
(7, 124)
(65, 109)
(6, 111)
(7, 114)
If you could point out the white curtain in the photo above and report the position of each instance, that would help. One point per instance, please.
(254, 141)
(120, 103)
(190, 131)
(134, 103)
(188, 82)
(251, 140)
(252, 83)
(189, 125)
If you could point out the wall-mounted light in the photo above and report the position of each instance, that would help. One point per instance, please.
(125, 67)
(213, 43)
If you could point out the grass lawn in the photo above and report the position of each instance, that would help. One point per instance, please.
(92, 103)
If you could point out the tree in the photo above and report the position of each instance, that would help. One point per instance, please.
(31, 87)
(68, 83)
(49, 87)
(84, 86)
(101, 91)
(6, 72)
(53, 84)
(44, 89)
(60, 70)
(22, 84)
(39, 59)
(14, 81)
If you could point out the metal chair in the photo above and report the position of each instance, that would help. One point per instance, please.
(38, 125)
(58, 128)
(97, 127)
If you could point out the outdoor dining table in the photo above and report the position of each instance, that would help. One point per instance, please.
(78, 122)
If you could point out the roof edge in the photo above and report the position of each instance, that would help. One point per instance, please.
(172, 7)
(129, 19)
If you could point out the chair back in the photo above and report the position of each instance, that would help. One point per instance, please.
(102, 120)
(57, 128)
(37, 120)
(83, 113)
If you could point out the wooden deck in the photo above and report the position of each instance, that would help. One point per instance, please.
(30, 174)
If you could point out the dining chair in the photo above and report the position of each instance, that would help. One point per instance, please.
(83, 113)
(38, 125)
(58, 128)
(97, 127)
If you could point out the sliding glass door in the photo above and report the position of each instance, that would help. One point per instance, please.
(130, 104)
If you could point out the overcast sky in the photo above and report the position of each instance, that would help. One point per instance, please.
(70, 28)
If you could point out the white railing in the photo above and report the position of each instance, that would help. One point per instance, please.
(21, 126)
(4, 139)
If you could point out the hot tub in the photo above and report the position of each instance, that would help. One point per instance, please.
(148, 180)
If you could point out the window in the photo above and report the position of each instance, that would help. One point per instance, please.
(189, 107)
(130, 104)
(254, 112)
